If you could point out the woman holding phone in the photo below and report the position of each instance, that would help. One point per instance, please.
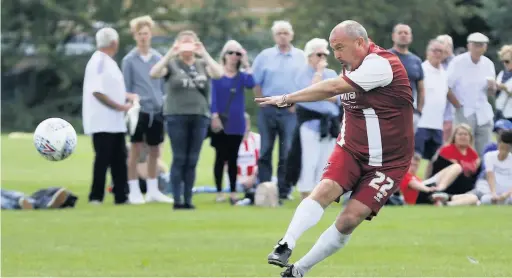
(189, 68)
(228, 106)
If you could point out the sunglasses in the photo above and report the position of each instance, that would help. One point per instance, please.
(506, 61)
(239, 54)
(320, 55)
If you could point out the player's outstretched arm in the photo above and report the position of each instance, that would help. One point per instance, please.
(319, 91)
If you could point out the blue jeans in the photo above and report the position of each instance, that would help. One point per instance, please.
(272, 122)
(11, 198)
(427, 141)
(186, 133)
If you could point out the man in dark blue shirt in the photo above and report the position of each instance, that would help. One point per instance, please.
(402, 38)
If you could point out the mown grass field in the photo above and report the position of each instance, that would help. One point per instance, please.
(220, 240)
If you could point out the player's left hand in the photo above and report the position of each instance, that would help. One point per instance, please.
(278, 101)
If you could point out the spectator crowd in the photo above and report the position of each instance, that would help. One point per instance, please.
(189, 96)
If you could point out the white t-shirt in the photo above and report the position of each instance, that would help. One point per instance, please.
(468, 82)
(504, 102)
(436, 90)
(502, 170)
(102, 75)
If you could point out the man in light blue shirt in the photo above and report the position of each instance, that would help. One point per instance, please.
(274, 70)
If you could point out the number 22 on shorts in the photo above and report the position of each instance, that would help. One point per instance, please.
(383, 184)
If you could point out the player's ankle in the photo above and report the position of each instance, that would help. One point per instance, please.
(289, 241)
(302, 270)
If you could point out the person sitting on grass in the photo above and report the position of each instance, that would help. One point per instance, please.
(461, 160)
(499, 127)
(411, 184)
(247, 164)
(496, 185)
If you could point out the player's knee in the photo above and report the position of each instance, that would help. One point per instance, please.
(326, 192)
(354, 213)
(347, 222)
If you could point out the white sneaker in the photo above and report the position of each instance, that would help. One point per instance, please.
(244, 202)
(440, 198)
(136, 198)
(158, 197)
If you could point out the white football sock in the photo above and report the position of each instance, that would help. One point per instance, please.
(134, 187)
(307, 215)
(152, 186)
(327, 244)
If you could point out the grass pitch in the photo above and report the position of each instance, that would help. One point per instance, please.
(220, 240)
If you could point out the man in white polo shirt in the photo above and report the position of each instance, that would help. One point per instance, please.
(104, 102)
(471, 78)
(429, 135)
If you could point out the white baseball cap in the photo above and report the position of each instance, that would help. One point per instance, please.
(478, 37)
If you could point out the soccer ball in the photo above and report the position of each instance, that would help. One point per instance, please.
(55, 139)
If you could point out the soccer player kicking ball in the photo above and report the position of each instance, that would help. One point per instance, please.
(374, 149)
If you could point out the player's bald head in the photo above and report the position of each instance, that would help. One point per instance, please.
(350, 43)
(351, 29)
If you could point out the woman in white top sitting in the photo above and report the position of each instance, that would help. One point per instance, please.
(496, 188)
(496, 185)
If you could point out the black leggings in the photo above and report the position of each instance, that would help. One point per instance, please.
(226, 150)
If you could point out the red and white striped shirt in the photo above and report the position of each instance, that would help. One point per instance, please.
(248, 155)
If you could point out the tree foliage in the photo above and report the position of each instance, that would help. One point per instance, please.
(497, 16)
(316, 18)
(47, 77)
(42, 76)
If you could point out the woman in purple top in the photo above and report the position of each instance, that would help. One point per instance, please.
(228, 107)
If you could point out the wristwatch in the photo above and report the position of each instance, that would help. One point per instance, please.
(283, 102)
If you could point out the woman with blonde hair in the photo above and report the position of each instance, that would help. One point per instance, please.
(458, 151)
(228, 124)
(188, 68)
(504, 84)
